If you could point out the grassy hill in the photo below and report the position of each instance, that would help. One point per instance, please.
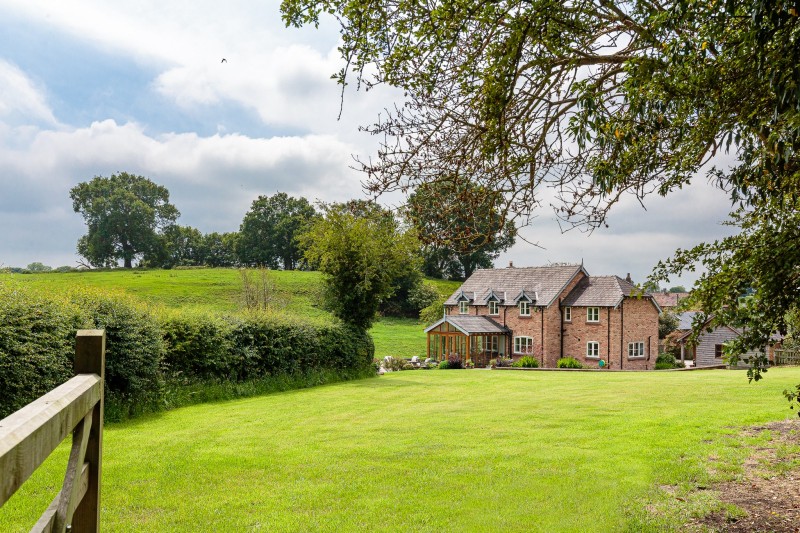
(220, 290)
(474, 450)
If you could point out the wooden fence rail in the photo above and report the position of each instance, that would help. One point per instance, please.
(787, 357)
(29, 436)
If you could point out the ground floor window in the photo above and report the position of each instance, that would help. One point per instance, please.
(636, 349)
(593, 349)
(523, 345)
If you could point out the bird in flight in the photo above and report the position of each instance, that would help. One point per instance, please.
(224, 60)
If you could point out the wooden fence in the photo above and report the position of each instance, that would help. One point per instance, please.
(28, 436)
(787, 357)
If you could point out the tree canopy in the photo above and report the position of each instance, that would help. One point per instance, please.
(269, 232)
(597, 99)
(123, 213)
(362, 252)
(460, 227)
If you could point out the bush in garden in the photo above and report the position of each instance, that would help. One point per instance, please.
(134, 350)
(37, 344)
(569, 362)
(502, 362)
(526, 361)
(666, 361)
(444, 365)
(454, 361)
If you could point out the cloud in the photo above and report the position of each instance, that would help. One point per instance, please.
(212, 180)
(23, 102)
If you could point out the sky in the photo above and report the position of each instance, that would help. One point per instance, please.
(91, 88)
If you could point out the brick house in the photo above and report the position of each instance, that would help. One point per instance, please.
(548, 312)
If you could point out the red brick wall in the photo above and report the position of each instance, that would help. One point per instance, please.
(639, 318)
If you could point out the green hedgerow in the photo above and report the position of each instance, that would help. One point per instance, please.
(526, 361)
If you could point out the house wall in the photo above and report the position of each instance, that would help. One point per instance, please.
(640, 324)
(706, 346)
(634, 320)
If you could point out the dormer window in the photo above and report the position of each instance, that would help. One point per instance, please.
(524, 308)
(463, 307)
(494, 308)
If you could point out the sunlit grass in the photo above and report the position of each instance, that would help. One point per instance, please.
(219, 290)
(464, 450)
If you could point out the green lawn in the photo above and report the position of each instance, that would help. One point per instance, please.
(467, 450)
(219, 290)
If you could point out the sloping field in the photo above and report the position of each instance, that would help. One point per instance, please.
(462, 450)
(219, 290)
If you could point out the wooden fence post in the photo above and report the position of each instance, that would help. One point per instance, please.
(90, 358)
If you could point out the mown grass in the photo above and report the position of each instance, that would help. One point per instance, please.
(219, 290)
(468, 450)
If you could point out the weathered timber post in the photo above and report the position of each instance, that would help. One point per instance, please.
(90, 358)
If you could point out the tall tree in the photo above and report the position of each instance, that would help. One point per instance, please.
(220, 249)
(269, 232)
(460, 227)
(361, 253)
(597, 99)
(123, 213)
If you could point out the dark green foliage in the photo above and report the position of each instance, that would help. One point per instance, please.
(666, 361)
(269, 234)
(362, 252)
(526, 361)
(460, 227)
(123, 213)
(134, 349)
(453, 362)
(793, 396)
(151, 362)
(569, 362)
(444, 365)
(220, 249)
(667, 323)
(37, 345)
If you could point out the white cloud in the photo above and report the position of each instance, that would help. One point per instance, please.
(23, 102)
(212, 180)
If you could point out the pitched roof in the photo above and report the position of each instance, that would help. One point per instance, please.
(545, 282)
(471, 324)
(601, 291)
(669, 299)
(685, 319)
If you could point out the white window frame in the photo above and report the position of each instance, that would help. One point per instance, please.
(593, 350)
(593, 311)
(527, 306)
(635, 349)
(494, 308)
(528, 348)
(463, 307)
(567, 314)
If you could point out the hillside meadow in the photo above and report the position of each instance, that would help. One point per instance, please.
(460, 450)
(219, 290)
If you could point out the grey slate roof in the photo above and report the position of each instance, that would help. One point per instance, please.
(600, 291)
(685, 319)
(546, 282)
(472, 324)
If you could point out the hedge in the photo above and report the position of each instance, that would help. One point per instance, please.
(153, 359)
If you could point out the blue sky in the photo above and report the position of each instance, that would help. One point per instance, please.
(90, 88)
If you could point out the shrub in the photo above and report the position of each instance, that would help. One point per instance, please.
(444, 365)
(37, 344)
(526, 361)
(568, 362)
(666, 361)
(502, 362)
(134, 351)
(199, 345)
(454, 361)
